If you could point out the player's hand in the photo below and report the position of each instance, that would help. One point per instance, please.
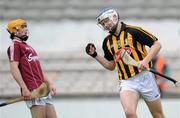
(52, 89)
(143, 65)
(91, 50)
(26, 94)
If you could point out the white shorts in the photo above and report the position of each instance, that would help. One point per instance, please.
(40, 101)
(143, 83)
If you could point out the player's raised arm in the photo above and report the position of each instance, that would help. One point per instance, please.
(91, 50)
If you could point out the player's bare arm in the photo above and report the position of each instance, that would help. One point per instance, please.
(153, 52)
(91, 50)
(110, 65)
(17, 76)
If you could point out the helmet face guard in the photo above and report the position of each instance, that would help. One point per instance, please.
(108, 15)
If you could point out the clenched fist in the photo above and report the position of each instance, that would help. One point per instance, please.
(91, 50)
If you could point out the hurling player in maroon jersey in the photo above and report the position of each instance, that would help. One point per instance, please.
(26, 70)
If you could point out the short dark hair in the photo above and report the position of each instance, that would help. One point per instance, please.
(12, 36)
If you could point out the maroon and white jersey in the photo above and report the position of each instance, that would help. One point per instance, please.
(29, 64)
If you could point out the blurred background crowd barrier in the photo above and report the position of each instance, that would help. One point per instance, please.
(60, 29)
(88, 9)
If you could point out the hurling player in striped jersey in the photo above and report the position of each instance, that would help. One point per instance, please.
(133, 82)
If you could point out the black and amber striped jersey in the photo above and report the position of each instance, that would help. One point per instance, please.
(134, 40)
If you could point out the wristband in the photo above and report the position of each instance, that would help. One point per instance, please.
(94, 54)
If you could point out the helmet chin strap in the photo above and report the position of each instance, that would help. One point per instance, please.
(114, 28)
(23, 38)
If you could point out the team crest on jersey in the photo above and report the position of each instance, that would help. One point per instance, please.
(128, 50)
(118, 53)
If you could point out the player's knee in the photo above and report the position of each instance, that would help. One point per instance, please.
(130, 113)
(158, 114)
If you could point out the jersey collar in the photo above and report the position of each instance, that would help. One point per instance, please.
(16, 39)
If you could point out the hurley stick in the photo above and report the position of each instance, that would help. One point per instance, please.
(41, 91)
(127, 59)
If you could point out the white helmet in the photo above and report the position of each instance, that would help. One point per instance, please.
(110, 14)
